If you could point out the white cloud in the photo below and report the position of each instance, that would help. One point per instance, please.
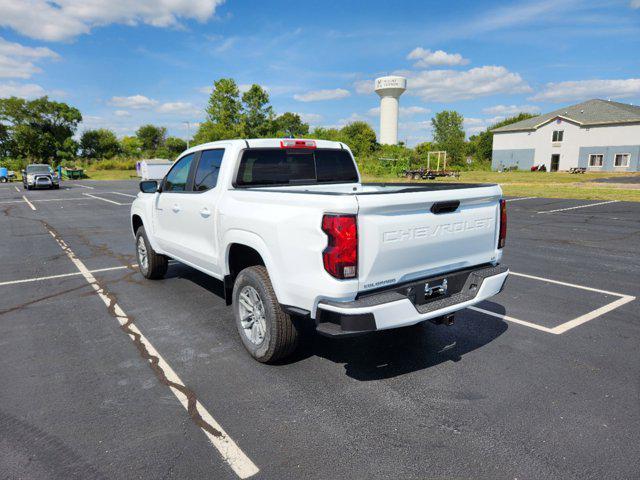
(66, 19)
(354, 117)
(634, 3)
(134, 101)
(317, 95)
(16, 61)
(586, 89)
(179, 108)
(364, 87)
(22, 90)
(122, 113)
(427, 58)
(511, 109)
(451, 85)
(312, 118)
(404, 111)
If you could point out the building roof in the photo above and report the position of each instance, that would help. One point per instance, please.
(590, 113)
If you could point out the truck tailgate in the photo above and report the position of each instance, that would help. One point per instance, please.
(402, 239)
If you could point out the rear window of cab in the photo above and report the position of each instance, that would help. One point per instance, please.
(277, 166)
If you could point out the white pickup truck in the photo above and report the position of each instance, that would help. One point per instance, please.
(294, 235)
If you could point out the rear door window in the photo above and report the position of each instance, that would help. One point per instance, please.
(273, 166)
(206, 176)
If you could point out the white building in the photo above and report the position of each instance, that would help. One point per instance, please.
(598, 135)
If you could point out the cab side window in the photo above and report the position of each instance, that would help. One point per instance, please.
(176, 180)
(208, 168)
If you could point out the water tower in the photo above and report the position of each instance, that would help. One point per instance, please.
(389, 88)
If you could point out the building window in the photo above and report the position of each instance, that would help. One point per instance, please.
(557, 135)
(621, 160)
(596, 160)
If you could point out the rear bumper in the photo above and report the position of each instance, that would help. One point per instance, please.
(398, 307)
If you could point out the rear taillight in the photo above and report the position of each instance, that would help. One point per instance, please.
(341, 255)
(502, 239)
(297, 144)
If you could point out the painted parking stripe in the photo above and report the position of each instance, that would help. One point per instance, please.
(566, 326)
(124, 194)
(239, 462)
(519, 198)
(579, 206)
(62, 275)
(512, 319)
(17, 189)
(83, 186)
(104, 199)
(29, 203)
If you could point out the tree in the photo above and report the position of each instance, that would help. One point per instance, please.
(100, 143)
(360, 137)
(224, 106)
(322, 133)
(131, 146)
(151, 137)
(449, 135)
(257, 114)
(174, 146)
(209, 131)
(38, 129)
(290, 125)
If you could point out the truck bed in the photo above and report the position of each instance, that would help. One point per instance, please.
(367, 188)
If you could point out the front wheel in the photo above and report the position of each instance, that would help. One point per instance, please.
(266, 331)
(151, 264)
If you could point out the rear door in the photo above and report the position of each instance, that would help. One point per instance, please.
(411, 235)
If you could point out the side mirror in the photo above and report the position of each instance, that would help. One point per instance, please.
(149, 186)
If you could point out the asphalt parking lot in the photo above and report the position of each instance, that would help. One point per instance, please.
(542, 382)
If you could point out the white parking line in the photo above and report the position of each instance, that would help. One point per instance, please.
(83, 186)
(124, 194)
(62, 275)
(579, 206)
(566, 326)
(519, 198)
(29, 203)
(17, 189)
(105, 199)
(230, 451)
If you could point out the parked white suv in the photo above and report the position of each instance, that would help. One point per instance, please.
(292, 232)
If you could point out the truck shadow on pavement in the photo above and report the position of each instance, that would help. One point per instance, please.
(396, 352)
(389, 353)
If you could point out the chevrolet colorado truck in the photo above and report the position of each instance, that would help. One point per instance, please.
(293, 234)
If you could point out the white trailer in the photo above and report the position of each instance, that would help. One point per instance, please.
(153, 168)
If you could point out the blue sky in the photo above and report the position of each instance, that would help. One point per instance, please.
(125, 63)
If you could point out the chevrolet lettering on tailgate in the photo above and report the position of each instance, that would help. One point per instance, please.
(436, 230)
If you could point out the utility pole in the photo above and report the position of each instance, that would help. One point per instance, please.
(188, 132)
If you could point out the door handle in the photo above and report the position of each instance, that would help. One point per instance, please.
(205, 212)
(176, 208)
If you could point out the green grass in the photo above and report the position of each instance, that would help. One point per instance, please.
(110, 174)
(541, 184)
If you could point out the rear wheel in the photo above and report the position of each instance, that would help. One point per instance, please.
(417, 176)
(151, 264)
(266, 331)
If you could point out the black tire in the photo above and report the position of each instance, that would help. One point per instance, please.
(156, 264)
(3, 179)
(280, 336)
(417, 176)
